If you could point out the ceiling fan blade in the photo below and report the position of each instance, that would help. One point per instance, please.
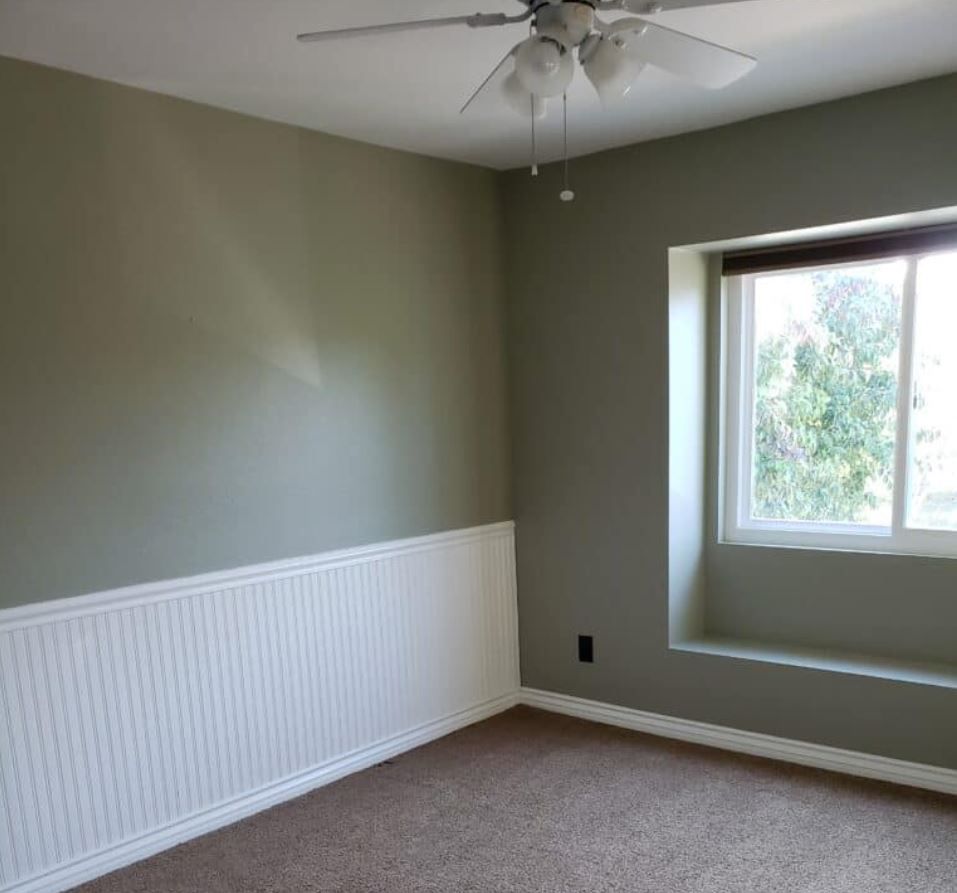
(499, 72)
(650, 7)
(705, 63)
(478, 20)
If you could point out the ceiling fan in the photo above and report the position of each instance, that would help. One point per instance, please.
(612, 54)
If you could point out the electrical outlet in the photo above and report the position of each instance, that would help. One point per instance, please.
(586, 649)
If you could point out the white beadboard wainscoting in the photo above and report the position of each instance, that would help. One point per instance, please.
(135, 719)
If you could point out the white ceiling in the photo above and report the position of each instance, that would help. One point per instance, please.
(405, 90)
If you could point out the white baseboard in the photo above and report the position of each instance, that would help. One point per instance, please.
(129, 851)
(819, 756)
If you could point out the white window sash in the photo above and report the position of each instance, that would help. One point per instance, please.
(905, 400)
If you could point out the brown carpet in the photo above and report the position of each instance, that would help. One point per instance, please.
(529, 801)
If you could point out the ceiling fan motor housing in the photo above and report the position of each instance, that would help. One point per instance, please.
(567, 23)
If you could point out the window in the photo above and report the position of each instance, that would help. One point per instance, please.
(841, 423)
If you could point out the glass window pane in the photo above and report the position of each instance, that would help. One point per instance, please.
(825, 394)
(932, 482)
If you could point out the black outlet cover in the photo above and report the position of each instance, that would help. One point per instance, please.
(586, 649)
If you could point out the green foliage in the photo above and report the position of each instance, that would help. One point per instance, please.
(825, 405)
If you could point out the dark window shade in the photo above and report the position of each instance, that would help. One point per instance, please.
(873, 246)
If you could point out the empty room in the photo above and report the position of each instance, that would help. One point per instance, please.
(499, 446)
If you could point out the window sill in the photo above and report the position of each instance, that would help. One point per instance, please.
(866, 548)
(833, 661)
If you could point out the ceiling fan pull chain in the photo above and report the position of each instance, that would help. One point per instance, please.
(566, 195)
(531, 99)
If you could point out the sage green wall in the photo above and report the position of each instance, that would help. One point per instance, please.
(226, 341)
(588, 353)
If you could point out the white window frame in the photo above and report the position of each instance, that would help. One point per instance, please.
(737, 436)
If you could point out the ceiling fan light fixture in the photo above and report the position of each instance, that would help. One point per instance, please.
(526, 104)
(543, 66)
(611, 68)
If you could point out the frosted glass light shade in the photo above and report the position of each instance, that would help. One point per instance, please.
(543, 67)
(526, 104)
(612, 69)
